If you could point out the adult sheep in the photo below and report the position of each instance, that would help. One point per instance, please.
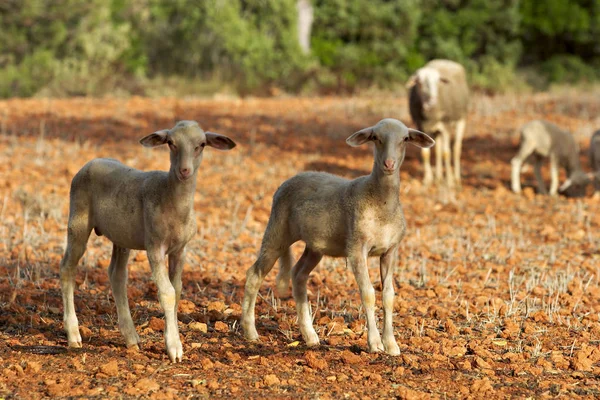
(438, 103)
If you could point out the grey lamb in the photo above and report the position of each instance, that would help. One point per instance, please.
(152, 211)
(438, 104)
(339, 218)
(542, 139)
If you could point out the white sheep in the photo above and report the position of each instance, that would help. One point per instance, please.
(339, 218)
(543, 140)
(152, 211)
(438, 104)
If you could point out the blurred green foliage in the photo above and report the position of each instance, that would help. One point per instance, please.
(93, 47)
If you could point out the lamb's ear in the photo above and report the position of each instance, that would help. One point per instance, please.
(412, 81)
(155, 139)
(360, 137)
(219, 141)
(420, 139)
(565, 185)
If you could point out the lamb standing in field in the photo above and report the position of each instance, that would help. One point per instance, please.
(595, 161)
(152, 211)
(339, 218)
(438, 103)
(542, 139)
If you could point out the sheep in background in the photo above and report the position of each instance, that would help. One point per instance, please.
(339, 218)
(595, 161)
(152, 211)
(438, 104)
(540, 140)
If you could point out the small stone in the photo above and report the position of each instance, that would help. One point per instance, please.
(111, 368)
(147, 385)
(350, 358)
(207, 364)
(331, 378)
(271, 379)
(215, 310)
(221, 327)
(85, 331)
(33, 367)
(198, 326)
(314, 361)
(212, 385)
(233, 356)
(156, 324)
(186, 306)
(481, 363)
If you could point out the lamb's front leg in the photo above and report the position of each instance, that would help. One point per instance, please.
(168, 300)
(358, 261)
(176, 261)
(387, 268)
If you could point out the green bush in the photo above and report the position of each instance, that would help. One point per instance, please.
(565, 68)
(92, 47)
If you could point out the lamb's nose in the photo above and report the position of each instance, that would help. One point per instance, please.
(185, 172)
(389, 164)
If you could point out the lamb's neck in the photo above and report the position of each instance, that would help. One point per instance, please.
(385, 187)
(182, 193)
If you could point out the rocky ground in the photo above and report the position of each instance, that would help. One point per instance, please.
(497, 293)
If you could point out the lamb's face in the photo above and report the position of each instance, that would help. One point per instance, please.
(390, 137)
(186, 142)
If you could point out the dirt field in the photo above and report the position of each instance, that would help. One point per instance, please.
(497, 294)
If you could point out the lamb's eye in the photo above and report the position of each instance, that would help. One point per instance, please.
(171, 145)
(406, 139)
(202, 145)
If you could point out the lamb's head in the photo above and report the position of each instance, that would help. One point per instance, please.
(576, 183)
(390, 137)
(426, 81)
(186, 142)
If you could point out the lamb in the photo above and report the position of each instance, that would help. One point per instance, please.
(542, 139)
(339, 218)
(595, 161)
(438, 103)
(152, 211)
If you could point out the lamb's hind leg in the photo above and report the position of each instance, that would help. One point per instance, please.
(284, 275)
(307, 262)
(78, 233)
(269, 253)
(538, 176)
(117, 271)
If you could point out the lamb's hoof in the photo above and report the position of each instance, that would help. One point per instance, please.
(133, 347)
(175, 352)
(392, 349)
(75, 345)
(250, 334)
(377, 348)
(312, 339)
